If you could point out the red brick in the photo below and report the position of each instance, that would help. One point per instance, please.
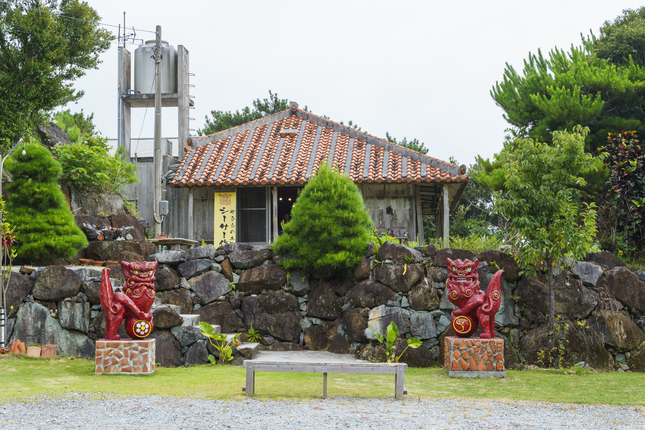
(481, 366)
(137, 362)
(471, 364)
(463, 364)
(490, 366)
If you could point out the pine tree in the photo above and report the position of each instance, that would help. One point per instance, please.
(44, 225)
(329, 227)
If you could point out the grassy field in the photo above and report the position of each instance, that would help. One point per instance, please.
(22, 377)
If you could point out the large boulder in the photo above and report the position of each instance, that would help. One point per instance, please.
(370, 294)
(168, 349)
(399, 276)
(249, 259)
(56, 283)
(197, 353)
(579, 344)
(179, 298)
(424, 296)
(127, 220)
(572, 299)
(397, 252)
(166, 317)
(605, 259)
(167, 257)
(236, 246)
(74, 314)
(191, 268)
(207, 251)
(276, 313)
(323, 301)
(588, 273)
(505, 315)
(87, 203)
(166, 279)
(441, 256)
(209, 286)
(414, 357)
(504, 261)
(618, 329)
(51, 135)
(362, 269)
(187, 335)
(422, 325)
(636, 362)
(221, 313)
(92, 291)
(110, 250)
(355, 323)
(266, 277)
(381, 317)
(19, 288)
(318, 337)
(626, 287)
(298, 283)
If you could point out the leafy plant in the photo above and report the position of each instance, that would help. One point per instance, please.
(7, 254)
(219, 342)
(391, 334)
(254, 336)
(475, 243)
(385, 237)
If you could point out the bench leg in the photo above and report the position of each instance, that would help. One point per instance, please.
(398, 383)
(250, 381)
(324, 385)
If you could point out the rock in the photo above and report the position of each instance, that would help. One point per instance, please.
(197, 354)
(370, 294)
(323, 301)
(442, 324)
(166, 279)
(355, 324)
(191, 268)
(92, 220)
(422, 325)
(167, 347)
(56, 283)
(268, 277)
(397, 252)
(166, 317)
(504, 261)
(130, 257)
(637, 361)
(179, 298)
(236, 300)
(74, 314)
(510, 356)
(370, 250)
(249, 259)
(92, 290)
(617, 328)
(580, 344)
(442, 255)
(298, 284)
(221, 313)
(505, 315)
(399, 276)
(626, 287)
(438, 274)
(284, 346)
(209, 286)
(445, 304)
(237, 246)
(110, 250)
(318, 337)
(275, 313)
(127, 220)
(216, 267)
(362, 270)
(338, 345)
(605, 259)
(414, 357)
(187, 335)
(52, 135)
(227, 269)
(372, 353)
(424, 296)
(572, 299)
(588, 273)
(116, 273)
(20, 286)
(381, 317)
(169, 257)
(202, 252)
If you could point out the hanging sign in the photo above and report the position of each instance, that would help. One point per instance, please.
(225, 218)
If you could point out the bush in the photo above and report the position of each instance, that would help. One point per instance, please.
(474, 243)
(43, 224)
(329, 227)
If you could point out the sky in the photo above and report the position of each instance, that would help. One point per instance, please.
(415, 69)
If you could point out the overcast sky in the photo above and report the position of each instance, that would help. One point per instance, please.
(415, 69)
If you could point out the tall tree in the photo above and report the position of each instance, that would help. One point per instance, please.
(413, 144)
(622, 38)
(44, 47)
(543, 207)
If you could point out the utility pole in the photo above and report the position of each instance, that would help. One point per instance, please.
(157, 155)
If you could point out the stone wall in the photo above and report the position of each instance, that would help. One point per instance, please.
(600, 303)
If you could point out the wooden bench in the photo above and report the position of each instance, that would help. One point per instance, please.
(319, 362)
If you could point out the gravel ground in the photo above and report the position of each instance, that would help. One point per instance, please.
(113, 412)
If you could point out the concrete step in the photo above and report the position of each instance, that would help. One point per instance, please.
(193, 320)
(249, 350)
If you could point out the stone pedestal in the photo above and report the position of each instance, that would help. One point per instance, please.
(127, 356)
(474, 357)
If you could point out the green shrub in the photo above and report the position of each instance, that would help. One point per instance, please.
(329, 226)
(43, 224)
(475, 243)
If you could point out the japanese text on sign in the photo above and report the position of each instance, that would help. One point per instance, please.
(225, 218)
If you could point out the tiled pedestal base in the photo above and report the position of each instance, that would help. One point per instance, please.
(126, 356)
(474, 357)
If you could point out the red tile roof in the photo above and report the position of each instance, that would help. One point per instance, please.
(286, 148)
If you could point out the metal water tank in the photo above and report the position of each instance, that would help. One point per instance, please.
(144, 68)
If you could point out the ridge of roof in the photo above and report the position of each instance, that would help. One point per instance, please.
(344, 129)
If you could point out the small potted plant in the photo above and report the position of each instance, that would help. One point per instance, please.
(33, 350)
(49, 351)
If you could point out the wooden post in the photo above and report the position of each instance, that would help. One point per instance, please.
(398, 382)
(324, 385)
(420, 237)
(446, 216)
(250, 379)
(274, 192)
(191, 220)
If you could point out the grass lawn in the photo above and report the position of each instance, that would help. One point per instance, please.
(23, 377)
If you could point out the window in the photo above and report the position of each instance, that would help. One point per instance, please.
(252, 211)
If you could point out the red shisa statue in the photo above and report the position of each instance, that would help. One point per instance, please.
(133, 303)
(473, 305)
